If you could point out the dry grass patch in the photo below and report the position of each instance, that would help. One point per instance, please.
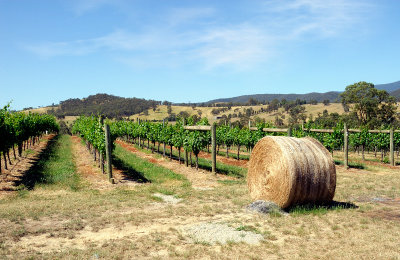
(130, 223)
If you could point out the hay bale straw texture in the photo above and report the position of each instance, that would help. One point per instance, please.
(291, 171)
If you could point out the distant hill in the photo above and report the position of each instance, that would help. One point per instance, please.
(108, 105)
(390, 87)
(396, 94)
(331, 96)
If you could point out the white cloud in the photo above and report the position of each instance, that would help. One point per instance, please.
(240, 47)
(205, 42)
(321, 18)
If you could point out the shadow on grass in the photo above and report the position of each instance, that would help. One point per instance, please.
(234, 155)
(128, 172)
(320, 208)
(222, 169)
(204, 164)
(36, 174)
(351, 164)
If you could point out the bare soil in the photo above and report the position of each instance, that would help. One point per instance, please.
(200, 179)
(15, 172)
(91, 171)
(206, 155)
(230, 161)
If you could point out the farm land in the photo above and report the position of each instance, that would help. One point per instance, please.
(157, 207)
(161, 112)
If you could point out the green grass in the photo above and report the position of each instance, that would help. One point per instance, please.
(314, 209)
(355, 165)
(205, 164)
(248, 228)
(54, 166)
(142, 169)
(222, 168)
(234, 155)
(232, 182)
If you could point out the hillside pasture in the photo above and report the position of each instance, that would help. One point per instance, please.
(161, 112)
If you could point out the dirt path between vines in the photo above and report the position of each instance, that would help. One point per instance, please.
(90, 170)
(230, 160)
(200, 179)
(206, 155)
(20, 165)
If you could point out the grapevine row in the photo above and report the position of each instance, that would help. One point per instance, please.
(175, 135)
(21, 129)
(91, 130)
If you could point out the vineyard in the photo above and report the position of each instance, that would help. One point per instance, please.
(156, 204)
(22, 130)
(187, 140)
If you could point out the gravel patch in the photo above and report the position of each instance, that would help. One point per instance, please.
(213, 233)
(265, 207)
(167, 198)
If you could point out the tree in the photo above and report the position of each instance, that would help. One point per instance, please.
(326, 102)
(297, 113)
(273, 106)
(169, 109)
(183, 114)
(278, 121)
(372, 106)
(252, 102)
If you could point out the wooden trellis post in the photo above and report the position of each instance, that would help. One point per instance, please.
(108, 153)
(289, 132)
(214, 147)
(392, 147)
(346, 146)
(213, 129)
(101, 121)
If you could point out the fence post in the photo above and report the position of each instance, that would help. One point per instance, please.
(101, 121)
(186, 152)
(289, 132)
(140, 139)
(108, 153)
(346, 146)
(214, 147)
(391, 147)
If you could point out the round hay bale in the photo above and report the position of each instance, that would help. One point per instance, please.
(291, 171)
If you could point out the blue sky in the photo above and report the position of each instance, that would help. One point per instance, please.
(192, 51)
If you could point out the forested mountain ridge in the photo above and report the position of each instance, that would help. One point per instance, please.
(108, 105)
(390, 87)
(332, 96)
